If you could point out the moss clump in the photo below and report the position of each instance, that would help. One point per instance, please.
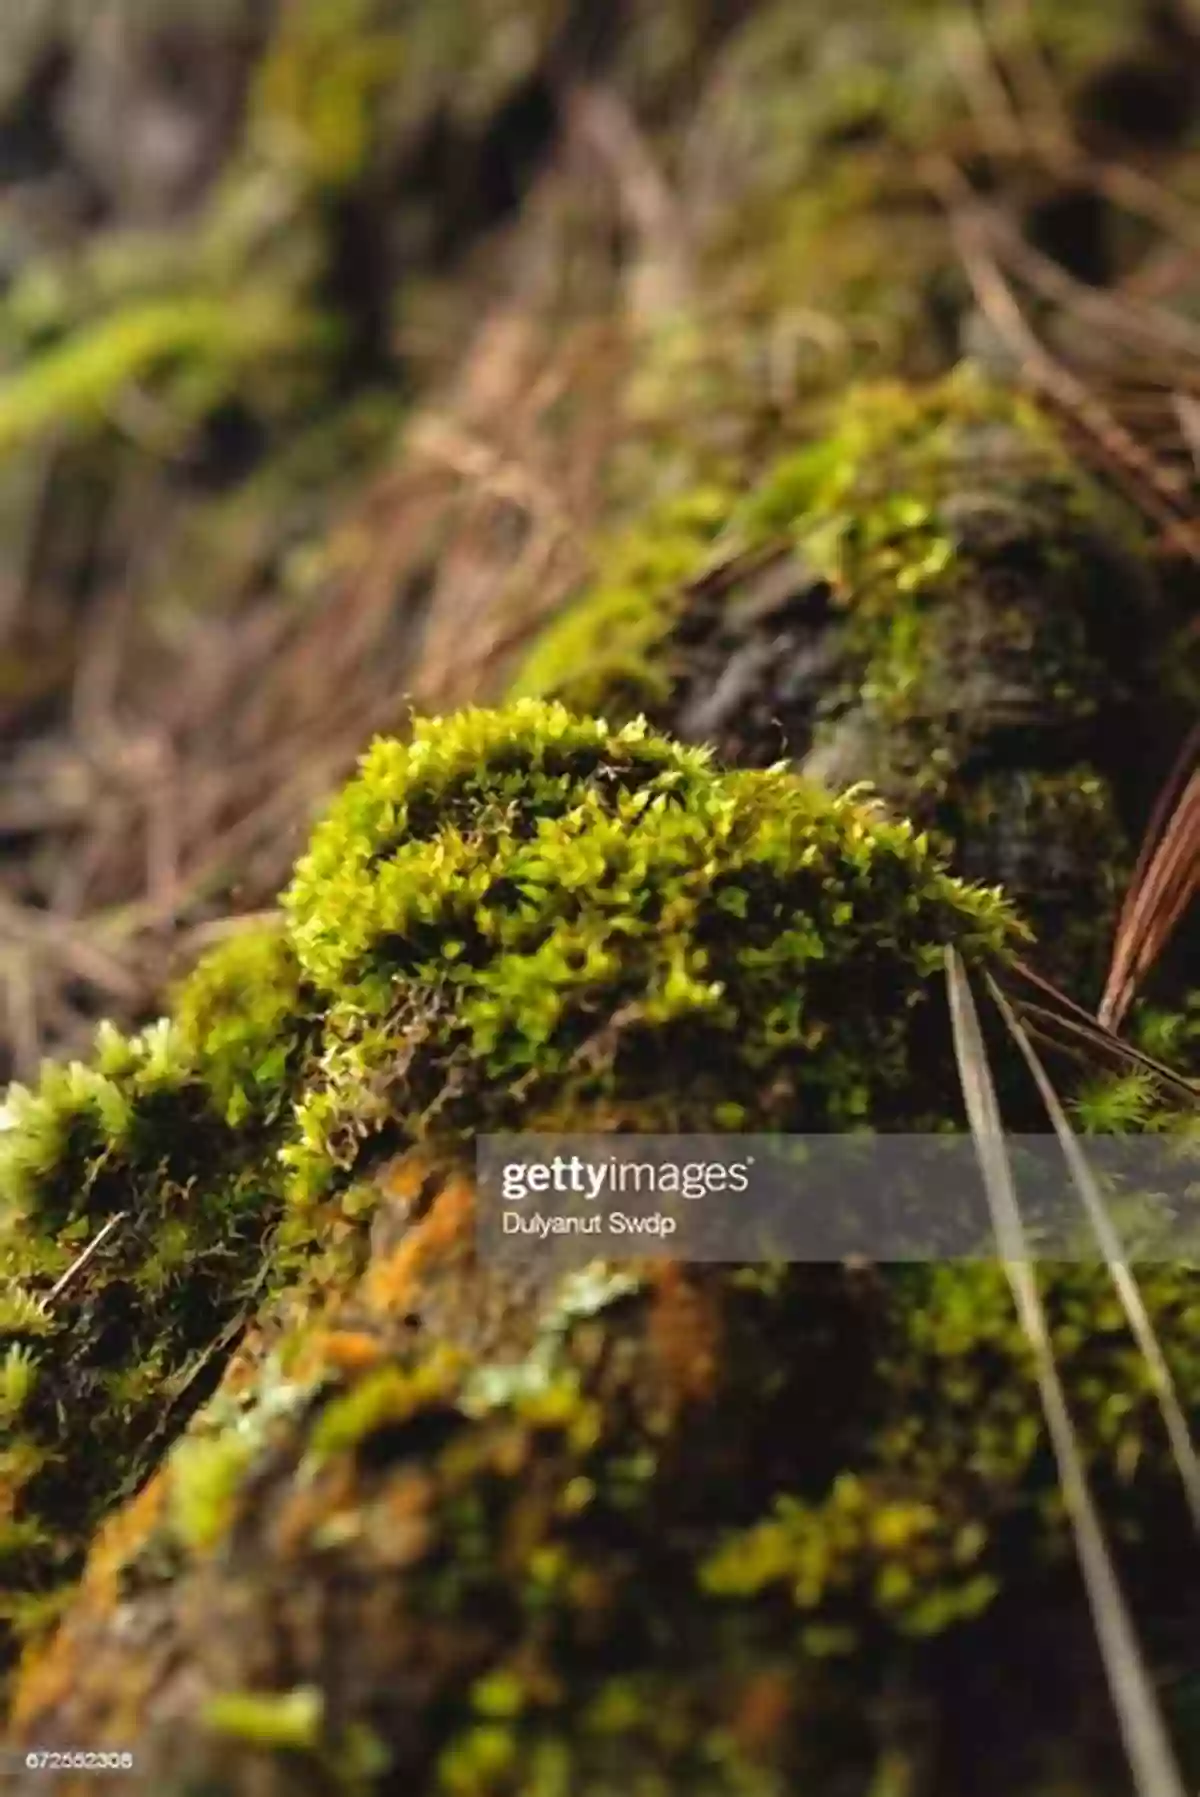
(524, 896)
(242, 1016)
(165, 1148)
(610, 649)
(929, 598)
(432, 1493)
(515, 916)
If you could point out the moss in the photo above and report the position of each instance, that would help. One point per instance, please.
(319, 90)
(516, 1526)
(373, 1559)
(926, 597)
(206, 1476)
(484, 899)
(242, 1015)
(609, 648)
(435, 1499)
(133, 1143)
(477, 909)
(81, 380)
(163, 1148)
(291, 1720)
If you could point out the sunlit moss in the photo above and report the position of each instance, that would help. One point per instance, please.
(244, 1014)
(477, 907)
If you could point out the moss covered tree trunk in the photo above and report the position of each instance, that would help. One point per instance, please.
(360, 1511)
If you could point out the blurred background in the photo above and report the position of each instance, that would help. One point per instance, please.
(335, 335)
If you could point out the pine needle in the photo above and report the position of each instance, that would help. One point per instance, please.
(1147, 1745)
(1064, 1016)
(1183, 1447)
(1164, 883)
(81, 1260)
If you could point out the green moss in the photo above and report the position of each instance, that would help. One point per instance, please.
(164, 1147)
(923, 598)
(826, 1479)
(291, 1720)
(205, 1475)
(319, 91)
(86, 375)
(18, 1376)
(243, 1015)
(487, 896)
(957, 1485)
(519, 1532)
(382, 1399)
(522, 918)
(867, 505)
(478, 907)
(608, 649)
(134, 1148)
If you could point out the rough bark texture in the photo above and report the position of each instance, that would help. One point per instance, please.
(357, 1513)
